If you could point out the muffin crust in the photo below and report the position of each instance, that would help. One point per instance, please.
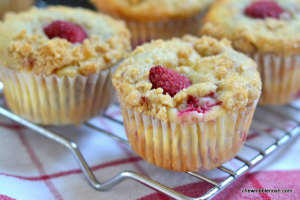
(226, 18)
(152, 10)
(212, 66)
(25, 46)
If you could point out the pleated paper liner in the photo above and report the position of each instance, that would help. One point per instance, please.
(57, 101)
(280, 78)
(179, 147)
(146, 31)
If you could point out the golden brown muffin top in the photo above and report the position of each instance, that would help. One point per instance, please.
(226, 18)
(219, 75)
(152, 10)
(24, 44)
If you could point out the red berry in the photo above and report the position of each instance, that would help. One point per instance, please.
(192, 100)
(263, 9)
(192, 105)
(72, 32)
(145, 99)
(201, 105)
(170, 81)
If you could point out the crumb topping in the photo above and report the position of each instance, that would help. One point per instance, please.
(24, 44)
(152, 10)
(227, 18)
(222, 79)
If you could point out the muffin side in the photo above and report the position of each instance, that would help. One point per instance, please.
(202, 125)
(274, 43)
(55, 81)
(143, 10)
(149, 20)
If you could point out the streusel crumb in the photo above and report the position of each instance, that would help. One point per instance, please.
(269, 26)
(25, 45)
(221, 79)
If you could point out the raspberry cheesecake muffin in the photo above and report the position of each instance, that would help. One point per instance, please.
(56, 64)
(267, 31)
(156, 19)
(187, 104)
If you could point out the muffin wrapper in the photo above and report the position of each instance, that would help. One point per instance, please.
(200, 146)
(280, 77)
(146, 31)
(57, 101)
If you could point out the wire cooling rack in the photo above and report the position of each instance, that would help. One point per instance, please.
(275, 126)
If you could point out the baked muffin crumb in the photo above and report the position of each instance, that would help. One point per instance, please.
(24, 44)
(272, 29)
(212, 66)
(154, 10)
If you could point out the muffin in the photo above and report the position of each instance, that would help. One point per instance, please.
(14, 5)
(268, 32)
(187, 104)
(156, 19)
(56, 64)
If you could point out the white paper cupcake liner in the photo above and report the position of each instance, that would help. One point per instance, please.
(179, 147)
(57, 101)
(280, 78)
(146, 31)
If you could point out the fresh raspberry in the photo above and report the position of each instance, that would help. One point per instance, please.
(263, 9)
(72, 32)
(170, 81)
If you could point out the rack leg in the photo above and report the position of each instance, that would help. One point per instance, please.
(72, 146)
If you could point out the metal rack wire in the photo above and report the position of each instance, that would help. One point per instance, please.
(289, 113)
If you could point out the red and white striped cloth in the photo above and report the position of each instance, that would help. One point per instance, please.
(34, 167)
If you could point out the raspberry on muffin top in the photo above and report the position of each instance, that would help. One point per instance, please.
(170, 81)
(264, 9)
(63, 41)
(154, 10)
(186, 81)
(62, 29)
(267, 26)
